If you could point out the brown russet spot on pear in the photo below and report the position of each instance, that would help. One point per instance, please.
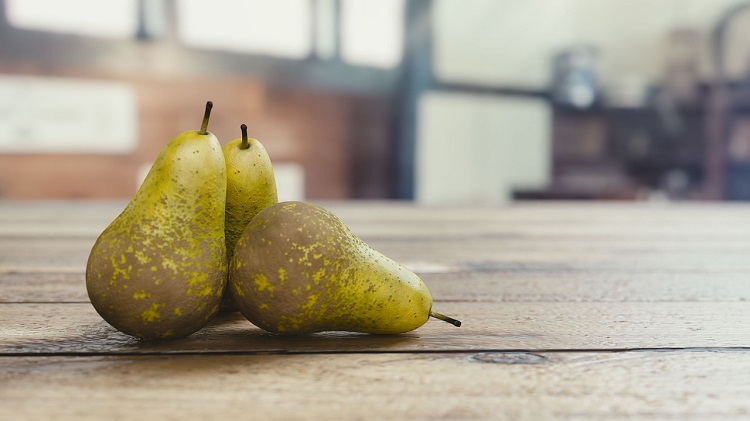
(298, 269)
(159, 269)
(251, 187)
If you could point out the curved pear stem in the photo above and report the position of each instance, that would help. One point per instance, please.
(245, 144)
(206, 116)
(445, 318)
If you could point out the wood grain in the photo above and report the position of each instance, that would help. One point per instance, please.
(512, 284)
(59, 237)
(570, 310)
(518, 386)
(480, 254)
(77, 329)
(403, 219)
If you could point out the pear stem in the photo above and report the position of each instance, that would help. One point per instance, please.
(206, 116)
(445, 318)
(245, 144)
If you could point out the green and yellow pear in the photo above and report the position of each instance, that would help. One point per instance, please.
(298, 269)
(251, 187)
(159, 269)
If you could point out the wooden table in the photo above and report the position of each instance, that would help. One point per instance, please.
(570, 310)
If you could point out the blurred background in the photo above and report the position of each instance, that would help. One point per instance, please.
(437, 101)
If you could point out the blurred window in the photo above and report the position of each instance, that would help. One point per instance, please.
(372, 32)
(325, 29)
(278, 28)
(110, 18)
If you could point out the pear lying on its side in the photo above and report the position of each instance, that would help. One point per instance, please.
(158, 270)
(298, 269)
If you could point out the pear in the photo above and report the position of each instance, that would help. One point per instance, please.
(159, 269)
(298, 269)
(251, 187)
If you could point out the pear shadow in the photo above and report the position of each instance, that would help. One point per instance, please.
(216, 350)
(230, 334)
(226, 334)
(89, 338)
(233, 333)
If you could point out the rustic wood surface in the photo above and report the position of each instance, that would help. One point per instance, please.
(570, 310)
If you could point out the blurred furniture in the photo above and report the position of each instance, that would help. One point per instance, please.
(570, 310)
(683, 138)
(728, 160)
(617, 152)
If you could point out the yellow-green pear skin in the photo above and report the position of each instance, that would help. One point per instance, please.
(251, 187)
(159, 269)
(298, 269)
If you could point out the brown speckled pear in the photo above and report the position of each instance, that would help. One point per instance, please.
(251, 187)
(159, 269)
(298, 269)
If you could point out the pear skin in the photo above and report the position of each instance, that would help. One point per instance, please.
(251, 187)
(159, 269)
(298, 269)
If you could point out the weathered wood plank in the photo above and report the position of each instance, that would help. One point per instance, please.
(560, 285)
(76, 328)
(58, 236)
(61, 255)
(511, 284)
(396, 220)
(518, 386)
(71, 254)
(56, 219)
(41, 287)
(529, 276)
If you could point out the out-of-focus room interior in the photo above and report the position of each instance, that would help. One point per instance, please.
(437, 101)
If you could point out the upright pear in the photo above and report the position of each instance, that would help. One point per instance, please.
(159, 269)
(298, 269)
(251, 186)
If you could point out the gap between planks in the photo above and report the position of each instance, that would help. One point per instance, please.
(64, 328)
(378, 352)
